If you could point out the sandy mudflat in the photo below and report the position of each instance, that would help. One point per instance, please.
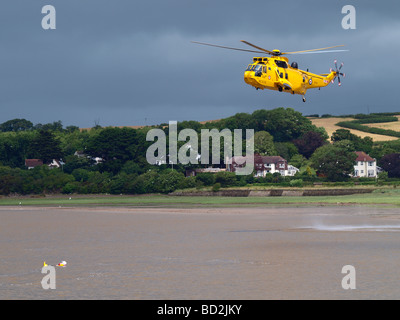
(205, 253)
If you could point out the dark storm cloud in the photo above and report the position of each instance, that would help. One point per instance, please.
(131, 62)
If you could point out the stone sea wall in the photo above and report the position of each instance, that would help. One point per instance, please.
(274, 193)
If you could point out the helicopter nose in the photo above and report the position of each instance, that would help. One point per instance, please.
(247, 77)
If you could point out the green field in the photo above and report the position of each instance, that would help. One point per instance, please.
(389, 197)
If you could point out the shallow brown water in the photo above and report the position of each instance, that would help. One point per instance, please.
(239, 253)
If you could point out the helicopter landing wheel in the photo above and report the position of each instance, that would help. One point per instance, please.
(304, 99)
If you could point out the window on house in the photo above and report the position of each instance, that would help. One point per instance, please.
(371, 173)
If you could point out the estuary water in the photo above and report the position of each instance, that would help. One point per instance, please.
(204, 253)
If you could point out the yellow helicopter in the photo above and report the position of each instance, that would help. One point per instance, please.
(275, 73)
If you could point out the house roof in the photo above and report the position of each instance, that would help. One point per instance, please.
(270, 159)
(362, 156)
(212, 170)
(33, 162)
(261, 159)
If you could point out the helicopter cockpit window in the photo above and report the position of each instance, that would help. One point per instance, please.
(251, 67)
(281, 64)
(258, 68)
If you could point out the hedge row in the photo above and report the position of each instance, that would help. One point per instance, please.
(357, 125)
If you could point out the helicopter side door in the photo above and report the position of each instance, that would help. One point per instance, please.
(260, 71)
(263, 74)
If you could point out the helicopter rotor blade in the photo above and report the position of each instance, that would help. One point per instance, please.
(259, 48)
(214, 45)
(342, 45)
(311, 52)
(262, 50)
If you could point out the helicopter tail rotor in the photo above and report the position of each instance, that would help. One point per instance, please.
(337, 72)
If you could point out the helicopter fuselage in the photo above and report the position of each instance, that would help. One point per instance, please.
(275, 73)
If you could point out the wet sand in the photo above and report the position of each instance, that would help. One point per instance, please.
(208, 253)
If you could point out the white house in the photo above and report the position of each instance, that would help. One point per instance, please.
(194, 172)
(81, 154)
(264, 165)
(365, 166)
(56, 163)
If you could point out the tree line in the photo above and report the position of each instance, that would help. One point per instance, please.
(123, 167)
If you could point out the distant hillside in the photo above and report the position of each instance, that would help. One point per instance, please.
(329, 123)
(330, 126)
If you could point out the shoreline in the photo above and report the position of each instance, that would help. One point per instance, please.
(382, 211)
(375, 197)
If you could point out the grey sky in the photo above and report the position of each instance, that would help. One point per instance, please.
(131, 62)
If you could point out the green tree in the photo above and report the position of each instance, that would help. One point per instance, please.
(225, 178)
(72, 141)
(117, 185)
(55, 126)
(264, 143)
(169, 180)
(75, 162)
(287, 124)
(238, 121)
(360, 144)
(71, 129)
(286, 150)
(16, 125)
(189, 125)
(334, 161)
(115, 146)
(260, 119)
(206, 178)
(14, 147)
(298, 161)
(145, 183)
(131, 167)
(45, 147)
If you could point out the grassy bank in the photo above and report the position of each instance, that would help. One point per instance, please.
(389, 197)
